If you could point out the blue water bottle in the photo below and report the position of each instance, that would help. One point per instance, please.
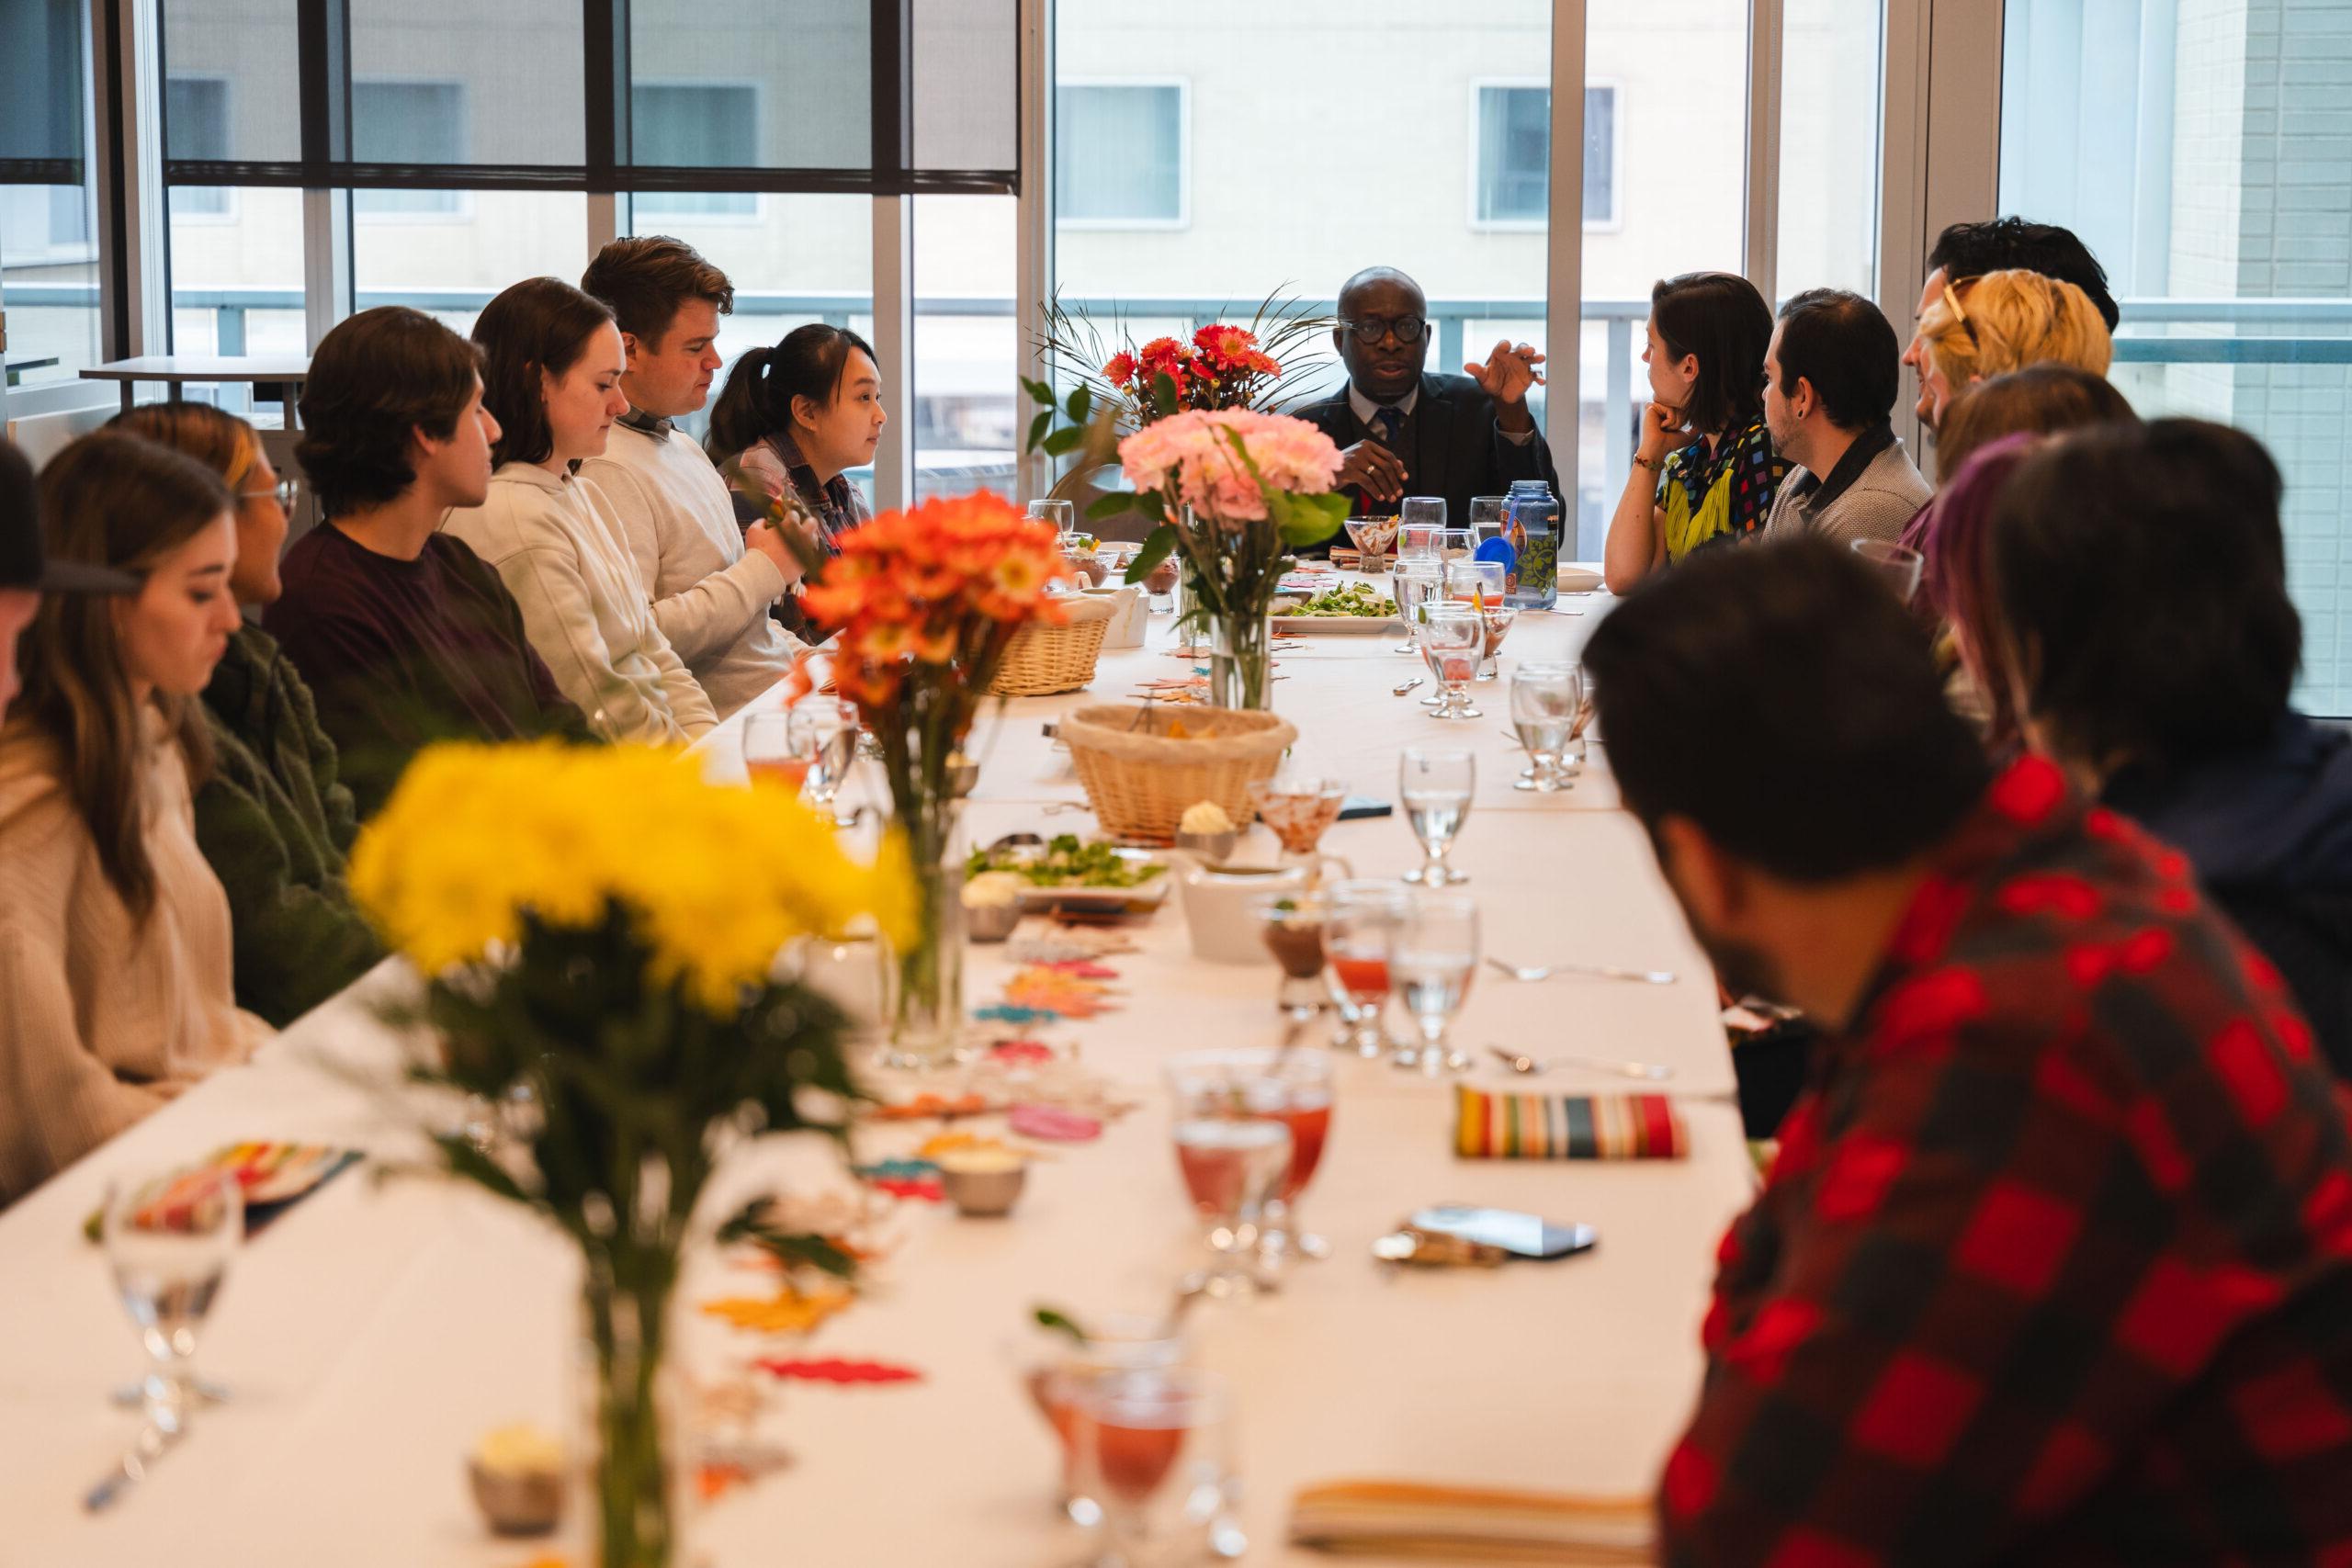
(1532, 519)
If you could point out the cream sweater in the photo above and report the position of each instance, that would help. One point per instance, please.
(711, 596)
(554, 544)
(102, 1018)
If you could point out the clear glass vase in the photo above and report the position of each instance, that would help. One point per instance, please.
(637, 1470)
(927, 1011)
(1240, 660)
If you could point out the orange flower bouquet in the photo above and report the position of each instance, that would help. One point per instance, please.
(924, 603)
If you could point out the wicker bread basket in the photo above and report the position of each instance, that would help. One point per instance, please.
(1140, 780)
(1044, 659)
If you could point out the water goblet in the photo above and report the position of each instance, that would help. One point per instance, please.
(1421, 512)
(1153, 1447)
(1436, 786)
(771, 750)
(1360, 920)
(1411, 580)
(1056, 1368)
(1900, 565)
(1436, 958)
(1486, 520)
(169, 1241)
(1062, 514)
(1479, 584)
(1233, 1163)
(1454, 638)
(1292, 1089)
(1456, 544)
(1545, 699)
(824, 731)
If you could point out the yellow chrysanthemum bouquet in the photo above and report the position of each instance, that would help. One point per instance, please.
(599, 931)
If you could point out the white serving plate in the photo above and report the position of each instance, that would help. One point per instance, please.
(1344, 625)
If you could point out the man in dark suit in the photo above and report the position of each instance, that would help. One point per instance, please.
(1404, 431)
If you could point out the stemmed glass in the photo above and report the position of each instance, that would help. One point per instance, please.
(1900, 565)
(1056, 1369)
(1298, 808)
(169, 1241)
(771, 751)
(1062, 514)
(1453, 639)
(1425, 511)
(1486, 519)
(1233, 1161)
(1153, 1448)
(1436, 786)
(1456, 544)
(823, 730)
(1290, 1088)
(1412, 581)
(1292, 927)
(1437, 954)
(1545, 700)
(1479, 584)
(1360, 922)
(1418, 541)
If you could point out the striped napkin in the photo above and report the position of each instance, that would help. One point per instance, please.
(1567, 1126)
(1462, 1524)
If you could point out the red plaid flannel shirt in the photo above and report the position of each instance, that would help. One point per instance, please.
(2055, 1264)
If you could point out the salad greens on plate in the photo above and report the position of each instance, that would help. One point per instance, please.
(1356, 599)
(1068, 862)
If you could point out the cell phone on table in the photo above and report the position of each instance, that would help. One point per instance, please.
(1357, 805)
(1522, 1235)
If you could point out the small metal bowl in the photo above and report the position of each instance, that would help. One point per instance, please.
(991, 922)
(526, 1502)
(981, 1193)
(1212, 849)
(962, 775)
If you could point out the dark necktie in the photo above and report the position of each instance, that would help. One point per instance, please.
(1391, 423)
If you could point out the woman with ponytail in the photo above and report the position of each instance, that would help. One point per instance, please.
(115, 957)
(791, 423)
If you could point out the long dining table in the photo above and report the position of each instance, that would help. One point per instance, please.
(371, 1336)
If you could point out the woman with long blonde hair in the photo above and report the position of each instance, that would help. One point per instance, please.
(275, 818)
(115, 969)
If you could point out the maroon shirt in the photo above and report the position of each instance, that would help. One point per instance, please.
(2055, 1263)
(400, 654)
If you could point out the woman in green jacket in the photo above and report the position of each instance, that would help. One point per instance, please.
(271, 818)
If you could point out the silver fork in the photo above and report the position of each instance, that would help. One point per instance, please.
(1652, 1072)
(1591, 971)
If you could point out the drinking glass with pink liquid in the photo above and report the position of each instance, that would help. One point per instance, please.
(775, 751)
(1154, 1447)
(1360, 922)
(1234, 1158)
(1055, 1367)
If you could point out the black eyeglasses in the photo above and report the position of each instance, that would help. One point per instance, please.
(1371, 329)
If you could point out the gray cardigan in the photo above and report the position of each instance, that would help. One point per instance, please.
(1882, 498)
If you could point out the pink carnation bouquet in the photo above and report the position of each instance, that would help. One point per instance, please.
(1231, 493)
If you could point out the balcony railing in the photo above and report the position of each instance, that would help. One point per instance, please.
(2154, 333)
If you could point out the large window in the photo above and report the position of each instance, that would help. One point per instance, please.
(1830, 95)
(408, 123)
(1119, 154)
(2202, 154)
(960, 411)
(705, 125)
(49, 272)
(196, 108)
(1513, 184)
(453, 250)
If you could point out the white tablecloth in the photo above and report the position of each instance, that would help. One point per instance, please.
(379, 1328)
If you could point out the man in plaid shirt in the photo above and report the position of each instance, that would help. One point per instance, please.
(2055, 1262)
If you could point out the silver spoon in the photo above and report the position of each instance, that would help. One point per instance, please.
(1653, 1072)
(1402, 687)
(1593, 971)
